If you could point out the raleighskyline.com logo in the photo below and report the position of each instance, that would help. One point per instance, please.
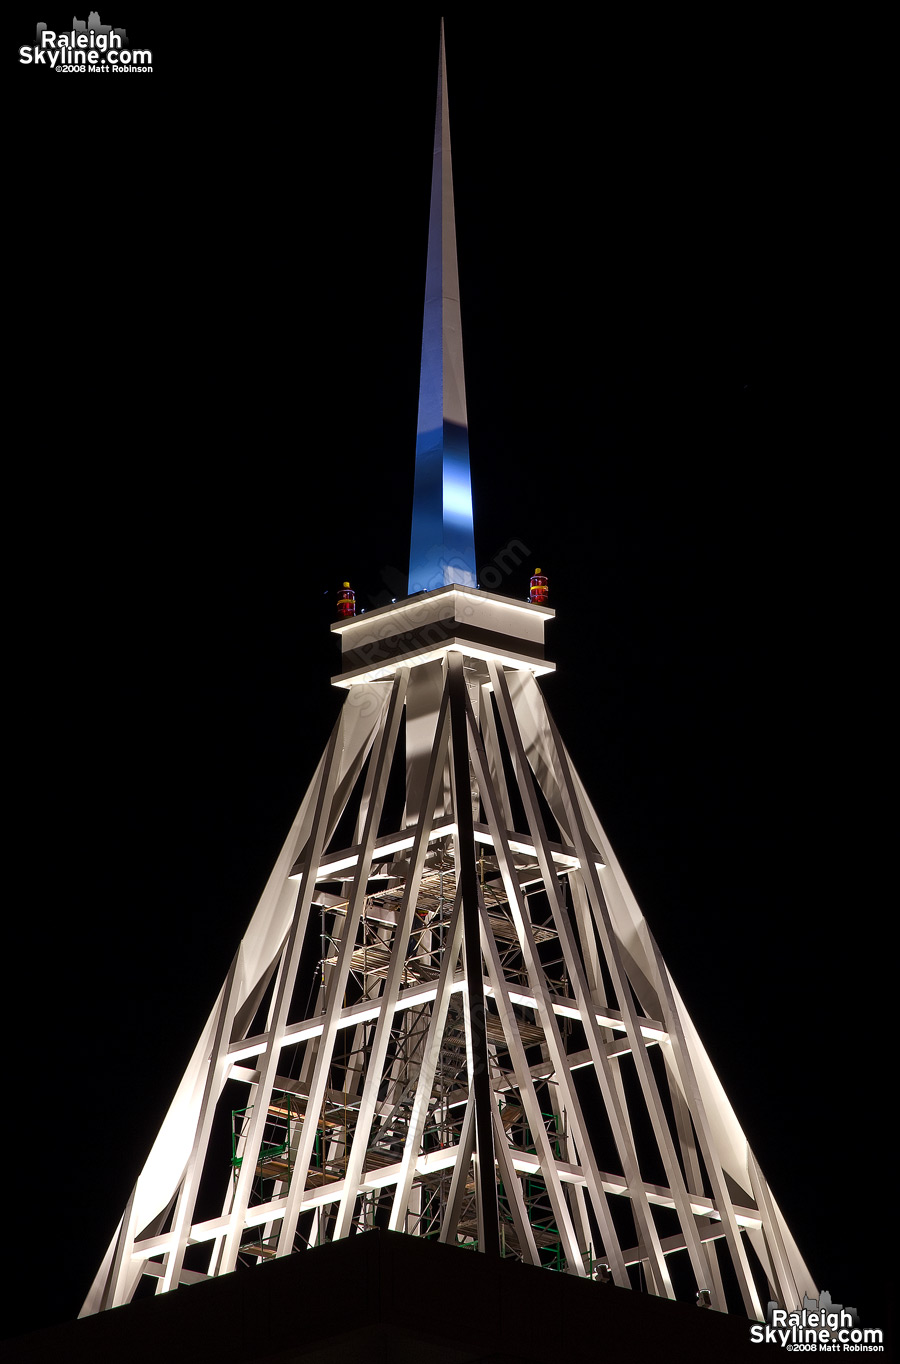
(88, 48)
(820, 1326)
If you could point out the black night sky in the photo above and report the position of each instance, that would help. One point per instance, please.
(668, 307)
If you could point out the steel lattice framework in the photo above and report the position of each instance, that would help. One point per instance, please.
(493, 1031)
(448, 1015)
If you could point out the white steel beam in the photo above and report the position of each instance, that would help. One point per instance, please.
(278, 1017)
(545, 1165)
(512, 1187)
(444, 1158)
(412, 996)
(785, 1283)
(391, 989)
(429, 1067)
(752, 1304)
(382, 757)
(218, 1065)
(620, 982)
(475, 1009)
(621, 1130)
(463, 1155)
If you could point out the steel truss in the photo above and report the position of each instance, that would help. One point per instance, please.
(461, 1030)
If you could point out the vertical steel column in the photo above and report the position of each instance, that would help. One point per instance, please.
(458, 1179)
(513, 1186)
(268, 1062)
(382, 756)
(467, 879)
(427, 1073)
(391, 991)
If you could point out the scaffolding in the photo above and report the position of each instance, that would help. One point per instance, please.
(442, 1129)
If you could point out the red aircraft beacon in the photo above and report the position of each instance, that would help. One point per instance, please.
(346, 602)
(539, 588)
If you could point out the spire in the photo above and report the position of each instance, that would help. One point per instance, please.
(374, 1042)
(442, 549)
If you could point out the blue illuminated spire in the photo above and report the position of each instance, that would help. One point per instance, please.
(442, 550)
